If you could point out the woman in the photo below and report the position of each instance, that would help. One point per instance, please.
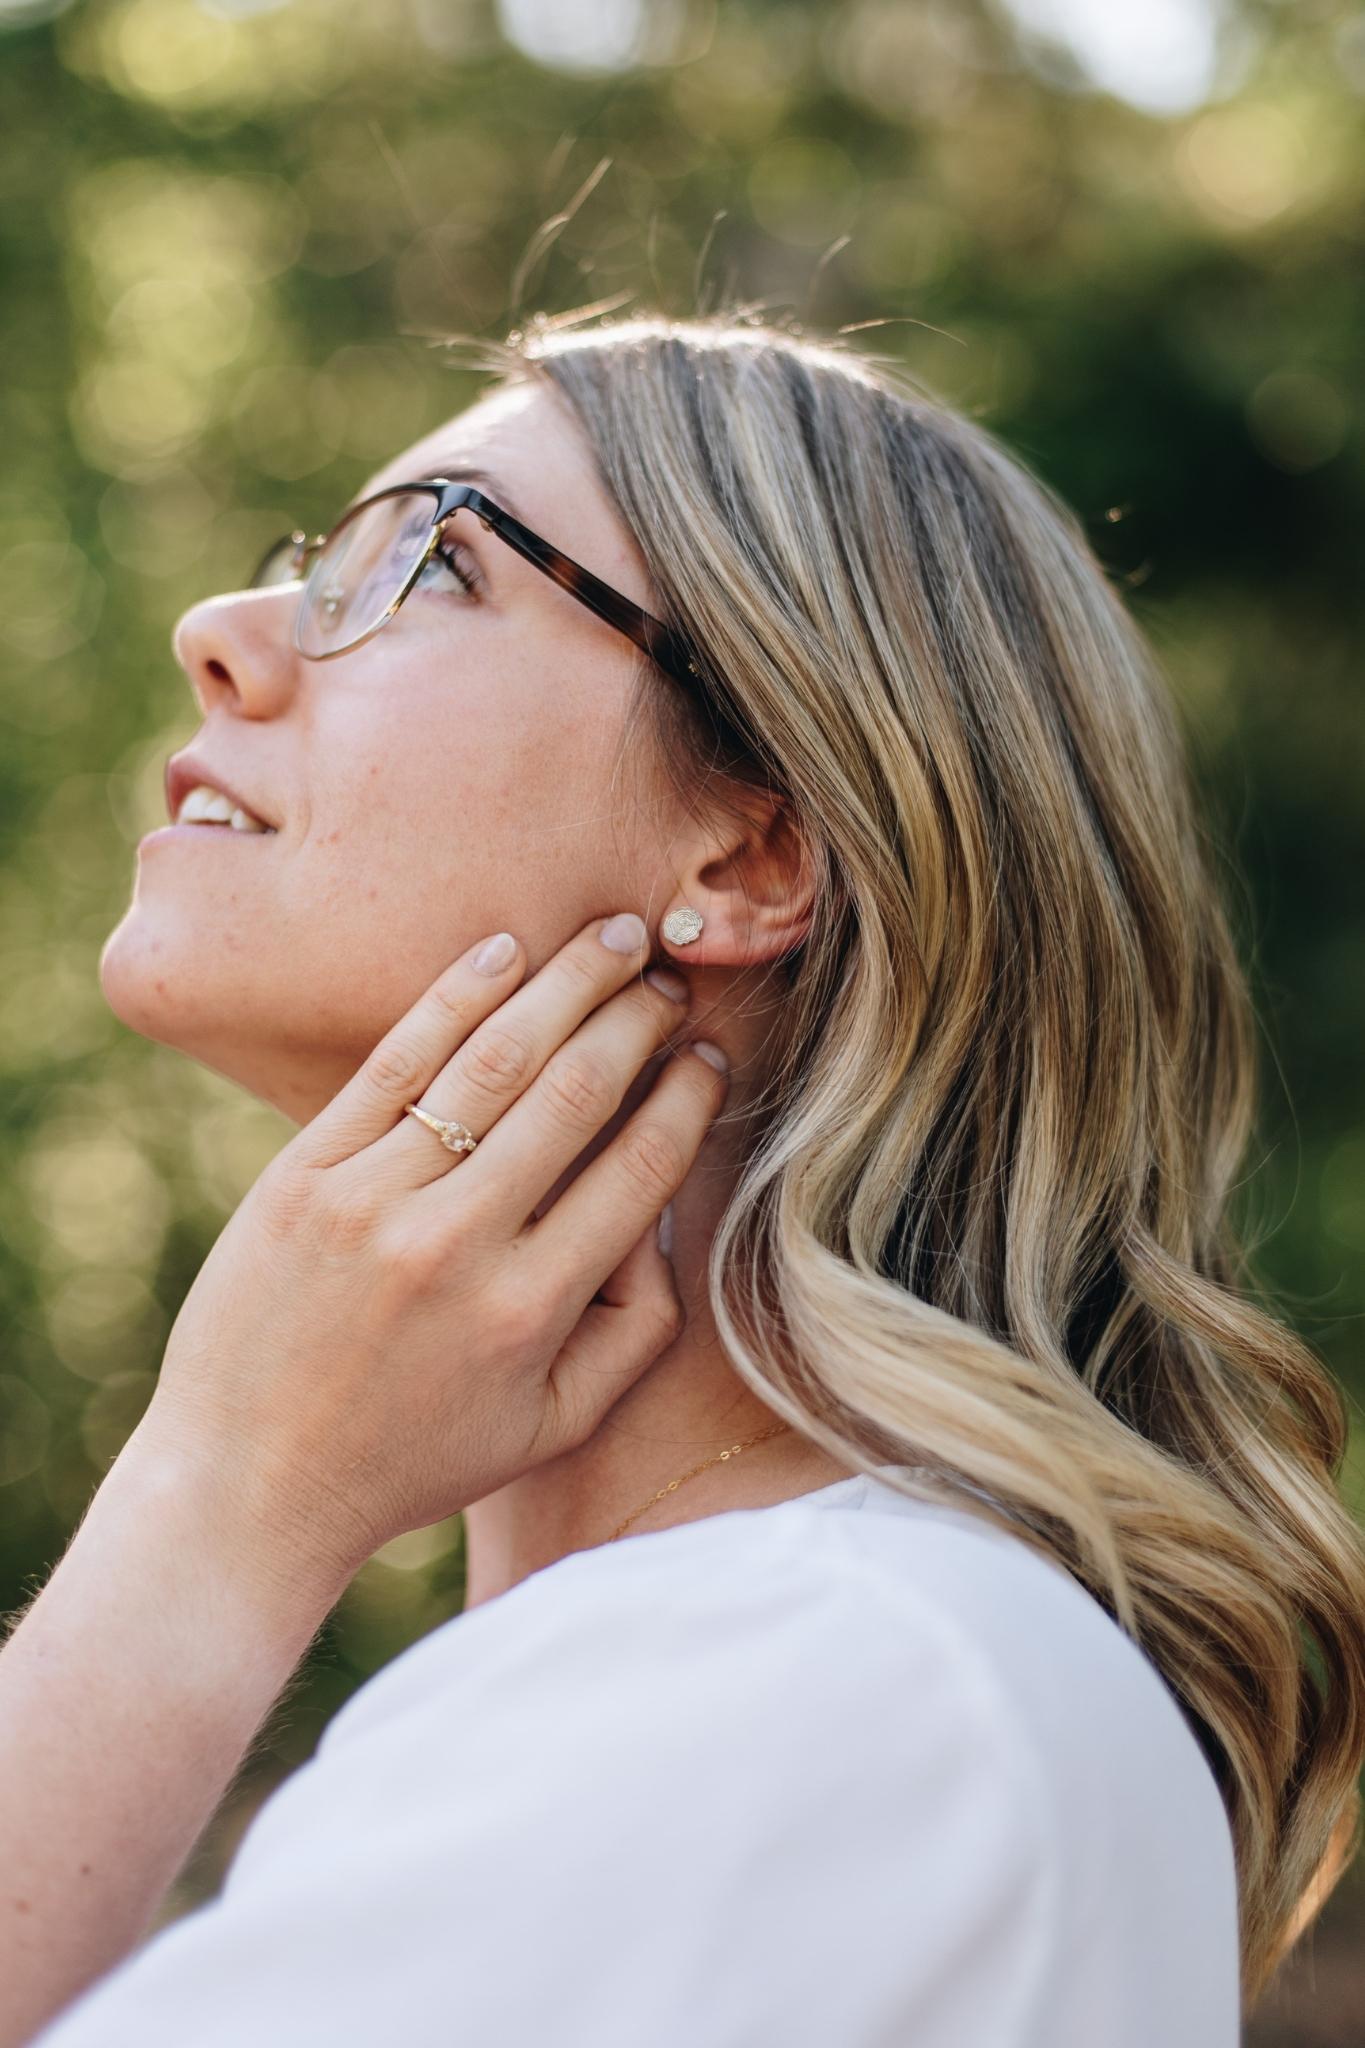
(952, 1684)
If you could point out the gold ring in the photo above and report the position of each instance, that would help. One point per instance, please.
(455, 1136)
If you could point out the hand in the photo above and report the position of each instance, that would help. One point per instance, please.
(385, 1331)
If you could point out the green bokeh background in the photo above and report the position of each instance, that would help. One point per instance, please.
(231, 237)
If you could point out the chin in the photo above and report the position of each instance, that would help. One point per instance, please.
(182, 998)
(164, 998)
(143, 984)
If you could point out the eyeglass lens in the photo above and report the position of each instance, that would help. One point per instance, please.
(359, 574)
(352, 582)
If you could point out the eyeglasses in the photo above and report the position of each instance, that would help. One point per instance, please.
(356, 576)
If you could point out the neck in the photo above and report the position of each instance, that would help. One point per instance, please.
(687, 1407)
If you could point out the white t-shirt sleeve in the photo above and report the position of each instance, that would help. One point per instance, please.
(725, 1793)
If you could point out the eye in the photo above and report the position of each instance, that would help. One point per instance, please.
(465, 570)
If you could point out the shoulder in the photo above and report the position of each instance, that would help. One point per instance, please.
(893, 1621)
(829, 1612)
(785, 1786)
(791, 1655)
(898, 1679)
(907, 1703)
(866, 1772)
(874, 1682)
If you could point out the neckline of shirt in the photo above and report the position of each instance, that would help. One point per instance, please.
(857, 1482)
(855, 1489)
(860, 1488)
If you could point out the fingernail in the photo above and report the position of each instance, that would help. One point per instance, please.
(666, 1230)
(624, 933)
(712, 1054)
(672, 985)
(495, 954)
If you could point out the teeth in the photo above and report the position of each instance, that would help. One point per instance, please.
(204, 805)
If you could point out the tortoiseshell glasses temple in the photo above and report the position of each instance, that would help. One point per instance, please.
(660, 642)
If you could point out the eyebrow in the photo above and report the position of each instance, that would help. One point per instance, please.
(457, 473)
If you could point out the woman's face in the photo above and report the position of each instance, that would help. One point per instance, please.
(449, 778)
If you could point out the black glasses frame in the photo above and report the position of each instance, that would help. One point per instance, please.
(657, 640)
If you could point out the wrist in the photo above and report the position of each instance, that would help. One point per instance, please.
(254, 1536)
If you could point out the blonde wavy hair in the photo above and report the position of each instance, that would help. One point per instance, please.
(983, 1222)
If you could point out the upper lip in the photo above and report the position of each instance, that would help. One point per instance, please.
(185, 771)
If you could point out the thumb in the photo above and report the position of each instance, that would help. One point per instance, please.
(637, 1313)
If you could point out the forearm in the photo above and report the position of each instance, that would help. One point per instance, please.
(130, 1691)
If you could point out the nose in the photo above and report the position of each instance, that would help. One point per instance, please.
(238, 650)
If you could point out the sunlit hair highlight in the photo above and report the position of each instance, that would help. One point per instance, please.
(983, 1229)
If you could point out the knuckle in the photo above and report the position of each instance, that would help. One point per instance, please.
(451, 1004)
(584, 964)
(350, 1217)
(287, 1198)
(516, 1324)
(397, 1069)
(418, 1260)
(653, 1158)
(650, 1005)
(497, 1061)
(579, 1087)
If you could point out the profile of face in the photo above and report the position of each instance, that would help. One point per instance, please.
(450, 777)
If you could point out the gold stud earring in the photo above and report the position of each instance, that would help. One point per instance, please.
(680, 927)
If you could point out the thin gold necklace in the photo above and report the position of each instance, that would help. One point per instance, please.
(733, 1452)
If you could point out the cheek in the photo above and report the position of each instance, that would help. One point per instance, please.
(418, 807)
(477, 813)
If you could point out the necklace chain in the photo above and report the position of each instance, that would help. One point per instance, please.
(733, 1452)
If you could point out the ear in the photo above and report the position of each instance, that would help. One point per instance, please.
(752, 881)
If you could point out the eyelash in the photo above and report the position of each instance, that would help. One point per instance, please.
(468, 582)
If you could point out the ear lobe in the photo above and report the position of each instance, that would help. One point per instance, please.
(753, 893)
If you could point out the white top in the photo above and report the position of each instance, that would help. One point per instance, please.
(853, 1771)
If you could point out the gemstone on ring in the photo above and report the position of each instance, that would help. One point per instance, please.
(455, 1136)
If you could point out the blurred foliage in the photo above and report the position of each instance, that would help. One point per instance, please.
(232, 233)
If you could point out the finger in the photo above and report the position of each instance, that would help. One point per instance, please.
(495, 1065)
(615, 1341)
(566, 1108)
(406, 1061)
(578, 1243)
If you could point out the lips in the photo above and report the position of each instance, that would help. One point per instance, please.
(184, 771)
